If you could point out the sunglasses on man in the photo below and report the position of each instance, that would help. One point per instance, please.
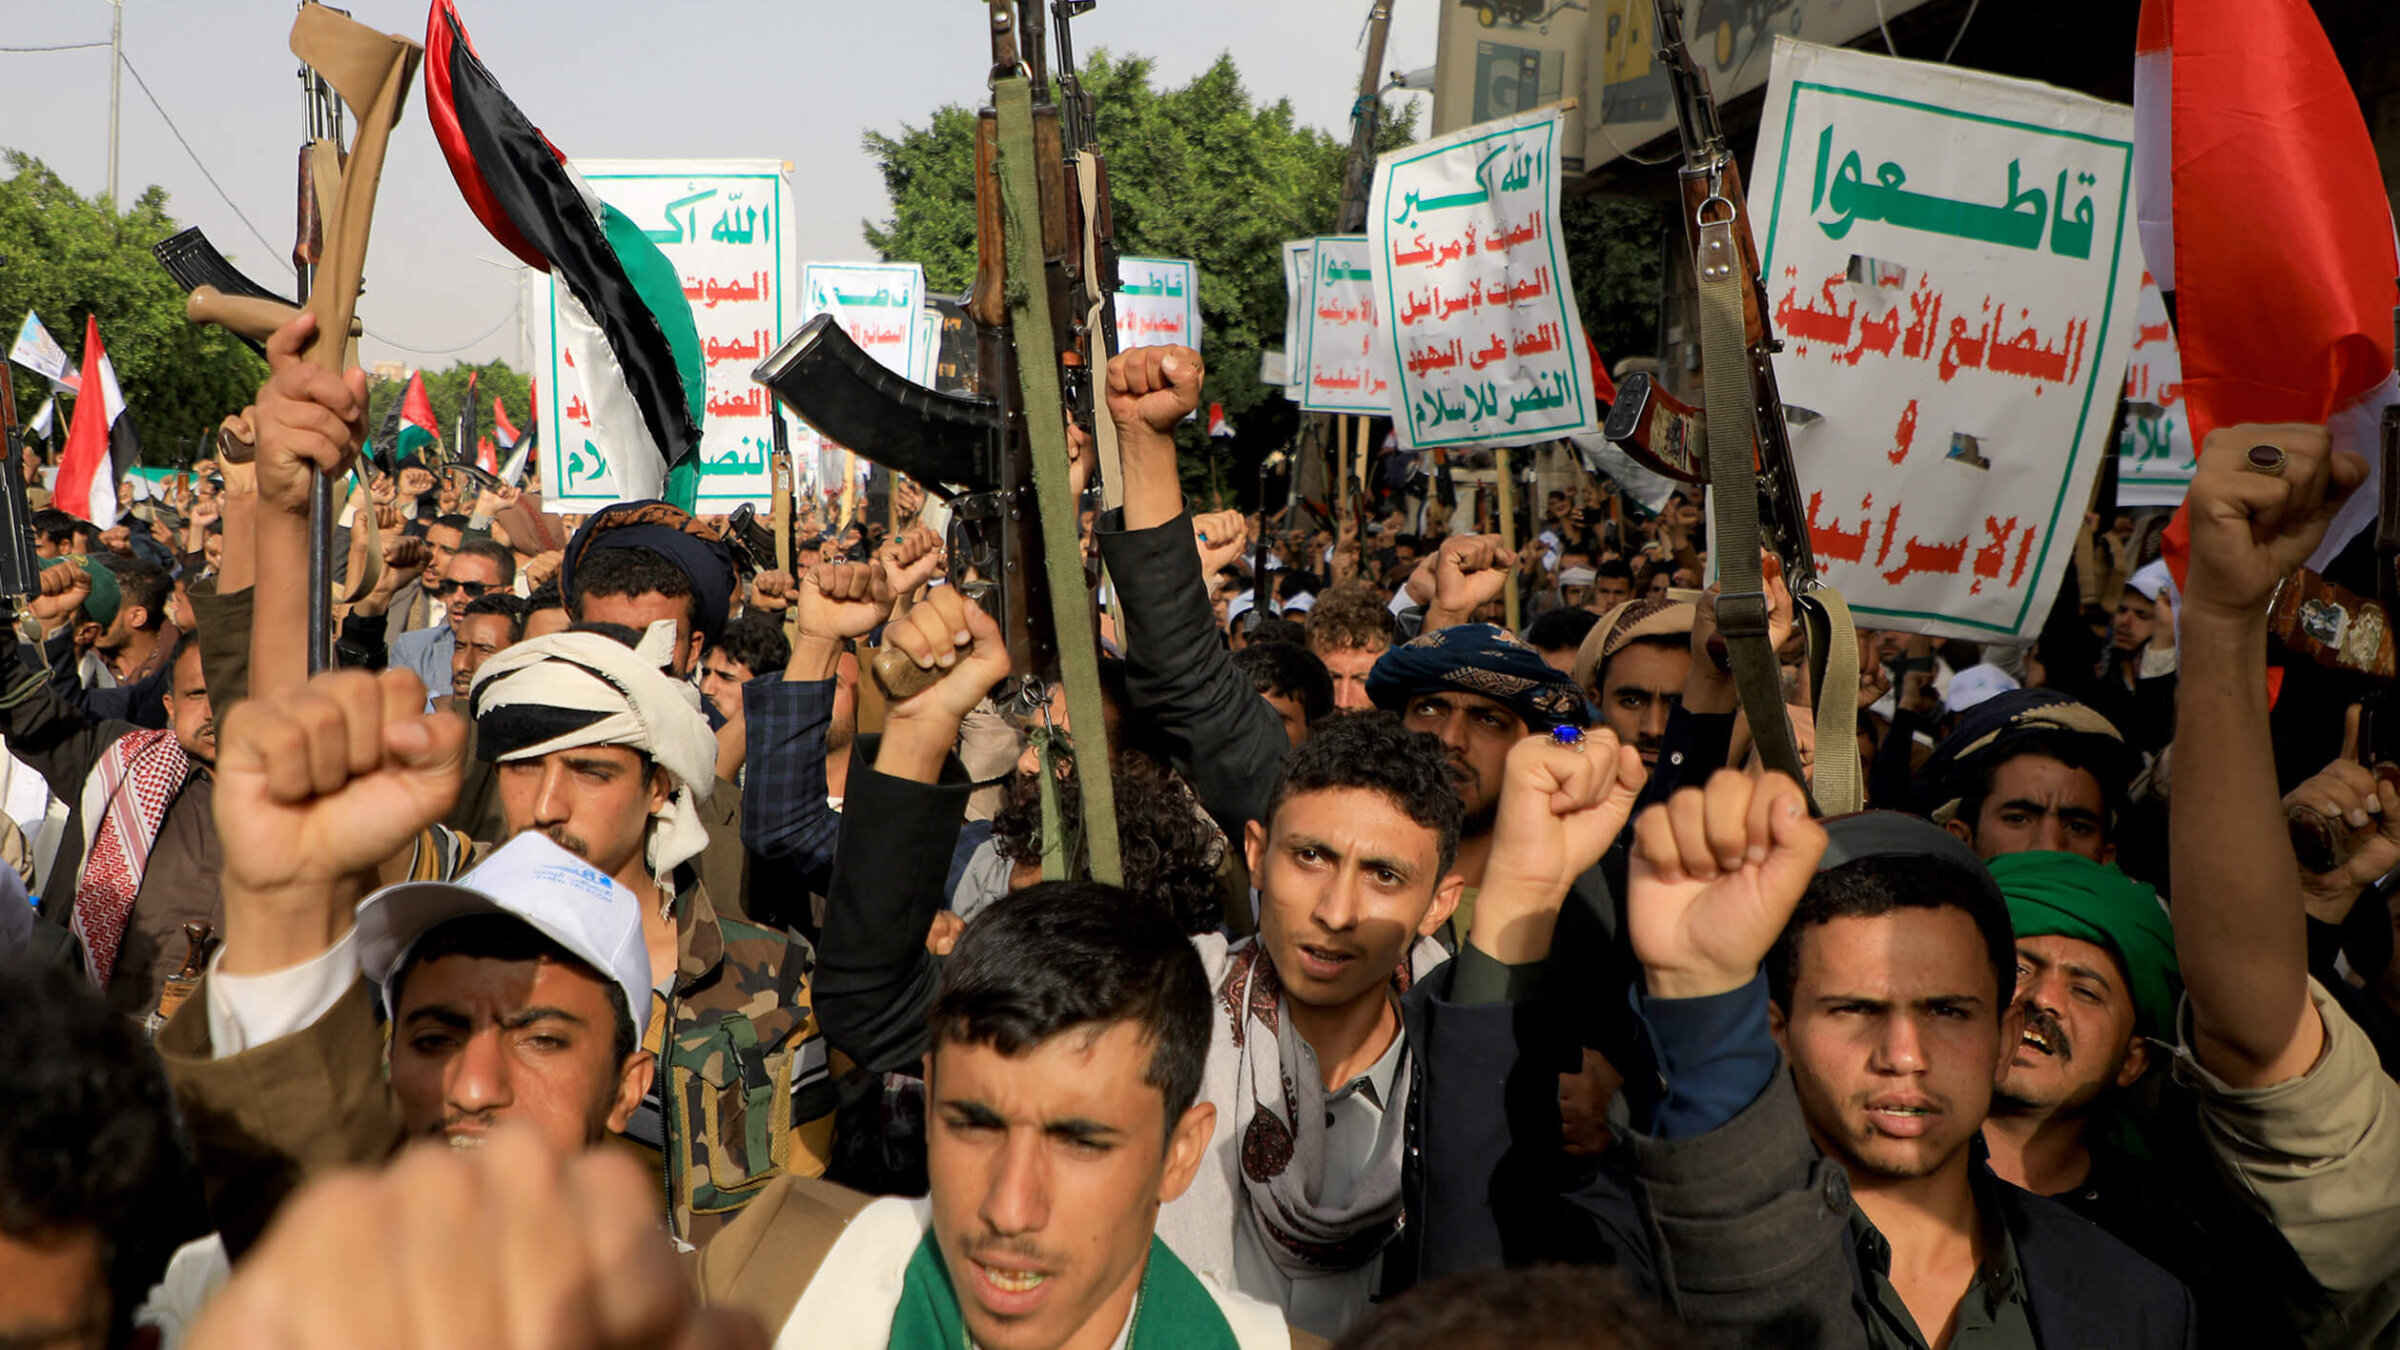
(473, 590)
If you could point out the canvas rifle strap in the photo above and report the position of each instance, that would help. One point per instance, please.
(1733, 482)
(1046, 426)
(1838, 789)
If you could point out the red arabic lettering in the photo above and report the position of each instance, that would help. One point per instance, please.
(1906, 435)
(1830, 539)
(2024, 555)
(1919, 556)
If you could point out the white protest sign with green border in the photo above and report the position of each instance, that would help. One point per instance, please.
(1950, 261)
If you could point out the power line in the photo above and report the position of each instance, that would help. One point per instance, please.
(61, 47)
(445, 351)
(262, 238)
(203, 168)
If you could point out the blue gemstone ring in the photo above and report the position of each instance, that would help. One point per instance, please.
(1569, 735)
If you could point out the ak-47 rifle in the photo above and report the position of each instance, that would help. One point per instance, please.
(999, 455)
(1745, 439)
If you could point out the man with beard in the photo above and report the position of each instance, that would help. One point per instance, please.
(1634, 665)
(138, 858)
(596, 747)
(1875, 956)
(1479, 691)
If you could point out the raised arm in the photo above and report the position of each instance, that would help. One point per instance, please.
(2259, 506)
(875, 977)
(307, 418)
(1178, 673)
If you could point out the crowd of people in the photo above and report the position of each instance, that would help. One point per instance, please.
(599, 954)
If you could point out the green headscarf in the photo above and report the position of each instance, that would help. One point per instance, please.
(106, 597)
(2064, 895)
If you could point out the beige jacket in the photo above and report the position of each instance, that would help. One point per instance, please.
(2320, 1156)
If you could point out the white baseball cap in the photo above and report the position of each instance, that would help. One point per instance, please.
(2150, 579)
(565, 899)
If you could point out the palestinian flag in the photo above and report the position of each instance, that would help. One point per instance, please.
(101, 445)
(419, 433)
(622, 314)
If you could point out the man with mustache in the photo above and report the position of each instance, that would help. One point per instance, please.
(1875, 956)
(1635, 664)
(2097, 988)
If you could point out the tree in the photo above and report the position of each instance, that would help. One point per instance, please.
(64, 257)
(1613, 254)
(1197, 172)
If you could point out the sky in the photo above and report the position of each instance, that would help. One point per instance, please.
(778, 79)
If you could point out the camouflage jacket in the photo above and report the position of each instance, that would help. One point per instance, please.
(743, 1088)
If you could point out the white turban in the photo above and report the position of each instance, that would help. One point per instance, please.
(569, 690)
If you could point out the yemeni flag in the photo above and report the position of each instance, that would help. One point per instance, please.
(503, 430)
(2263, 218)
(419, 433)
(101, 445)
(622, 314)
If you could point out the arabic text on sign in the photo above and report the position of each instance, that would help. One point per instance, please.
(2019, 222)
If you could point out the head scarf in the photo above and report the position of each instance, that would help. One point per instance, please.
(1977, 685)
(1478, 658)
(570, 690)
(671, 533)
(2063, 895)
(106, 596)
(1989, 731)
(1626, 624)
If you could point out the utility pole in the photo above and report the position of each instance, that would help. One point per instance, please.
(116, 78)
(1365, 118)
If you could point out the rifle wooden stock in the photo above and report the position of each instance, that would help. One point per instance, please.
(371, 71)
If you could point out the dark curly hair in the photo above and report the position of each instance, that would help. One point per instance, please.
(1538, 1308)
(1288, 671)
(89, 1141)
(1373, 751)
(1171, 850)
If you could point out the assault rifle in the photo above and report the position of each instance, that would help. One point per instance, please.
(1000, 456)
(1739, 437)
(975, 450)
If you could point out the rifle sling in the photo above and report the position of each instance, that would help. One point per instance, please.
(1742, 613)
(1046, 427)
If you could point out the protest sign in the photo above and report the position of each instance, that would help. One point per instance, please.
(1296, 279)
(1158, 303)
(1956, 317)
(722, 225)
(882, 308)
(2155, 456)
(1345, 368)
(40, 353)
(1477, 322)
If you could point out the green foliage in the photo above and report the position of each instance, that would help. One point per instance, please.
(446, 389)
(68, 256)
(1199, 172)
(1613, 253)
